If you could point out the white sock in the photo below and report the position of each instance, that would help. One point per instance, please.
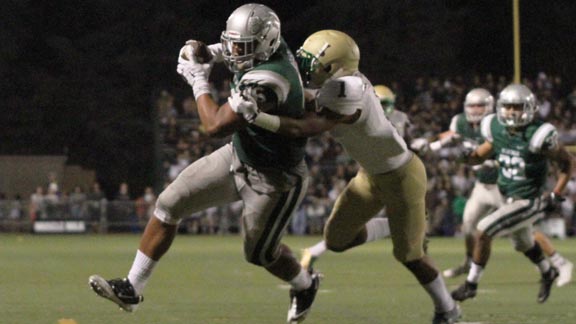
(301, 281)
(442, 299)
(318, 249)
(377, 228)
(141, 271)
(475, 273)
(557, 260)
(544, 265)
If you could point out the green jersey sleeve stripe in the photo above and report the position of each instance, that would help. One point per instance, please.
(540, 136)
(278, 83)
(486, 129)
(454, 124)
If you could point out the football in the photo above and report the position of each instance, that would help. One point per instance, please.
(198, 49)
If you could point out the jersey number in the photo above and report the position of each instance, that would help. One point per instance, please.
(513, 167)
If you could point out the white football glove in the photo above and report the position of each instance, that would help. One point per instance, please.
(244, 105)
(216, 51)
(419, 145)
(193, 72)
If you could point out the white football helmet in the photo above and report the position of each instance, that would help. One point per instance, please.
(387, 98)
(252, 33)
(327, 54)
(516, 95)
(478, 97)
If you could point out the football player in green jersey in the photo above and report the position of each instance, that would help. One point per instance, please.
(485, 197)
(263, 169)
(523, 146)
(391, 175)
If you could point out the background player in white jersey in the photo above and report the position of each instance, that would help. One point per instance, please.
(522, 146)
(399, 119)
(263, 169)
(465, 132)
(390, 175)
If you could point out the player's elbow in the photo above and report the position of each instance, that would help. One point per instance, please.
(217, 131)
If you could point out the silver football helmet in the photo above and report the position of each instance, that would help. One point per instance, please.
(252, 33)
(516, 106)
(477, 104)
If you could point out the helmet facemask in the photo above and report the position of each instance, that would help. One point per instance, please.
(516, 106)
(238, 51)
(313, 72)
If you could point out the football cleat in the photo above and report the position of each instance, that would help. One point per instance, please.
(307, 260)
(466, 291)
(546, 284)
(301, 301)
(456, 271)
(565, 271)
(449, 317)
(119, 291)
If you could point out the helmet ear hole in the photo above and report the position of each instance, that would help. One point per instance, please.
(328, 68)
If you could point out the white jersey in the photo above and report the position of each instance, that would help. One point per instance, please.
(371, 140)
(400, 120)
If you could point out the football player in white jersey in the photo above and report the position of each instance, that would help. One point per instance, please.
(399, 119)
(401, 122)
(390, 175)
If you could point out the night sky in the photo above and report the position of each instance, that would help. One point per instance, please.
(79, 77)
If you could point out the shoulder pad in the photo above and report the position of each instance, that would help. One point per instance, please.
(486, 127)
(454, 124)
(342, 95)
(265, 79)
(545, 137)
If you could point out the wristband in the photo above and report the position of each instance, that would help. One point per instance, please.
(267, 121)
(200, 87)
(435, 146)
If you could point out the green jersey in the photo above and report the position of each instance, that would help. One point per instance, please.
(523, 166)
(468, 132)
(275, 81)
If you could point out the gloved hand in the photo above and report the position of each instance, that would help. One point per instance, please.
(244, 105)
(420, 145)
(193, 72)
(552, 202)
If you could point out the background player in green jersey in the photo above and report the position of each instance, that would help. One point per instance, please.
(464, 131)
(263, 169)
(523, 146)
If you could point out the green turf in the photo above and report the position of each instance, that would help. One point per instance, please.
(43, 279)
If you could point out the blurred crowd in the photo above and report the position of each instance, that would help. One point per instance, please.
(430, 103)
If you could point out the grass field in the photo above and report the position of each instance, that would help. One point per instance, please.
(43, 279)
